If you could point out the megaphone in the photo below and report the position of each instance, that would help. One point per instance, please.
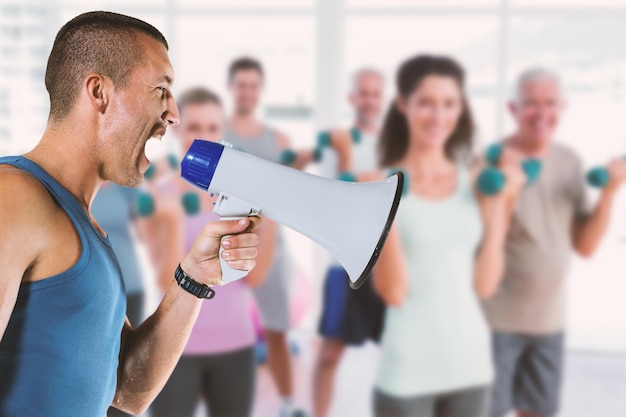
(350, 220)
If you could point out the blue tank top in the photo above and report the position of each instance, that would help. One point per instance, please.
(59, 353)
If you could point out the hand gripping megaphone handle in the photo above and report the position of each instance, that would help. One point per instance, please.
(229, 207)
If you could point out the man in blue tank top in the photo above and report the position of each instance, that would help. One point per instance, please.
(66, 348)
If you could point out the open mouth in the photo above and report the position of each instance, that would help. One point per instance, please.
(157, 133)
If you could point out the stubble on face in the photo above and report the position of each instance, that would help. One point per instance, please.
(141, 106)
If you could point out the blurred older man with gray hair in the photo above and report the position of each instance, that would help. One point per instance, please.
(526, 311)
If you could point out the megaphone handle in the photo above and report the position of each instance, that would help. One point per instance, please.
(229, 274)
(229, 207)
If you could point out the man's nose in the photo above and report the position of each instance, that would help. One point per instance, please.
(171, 114)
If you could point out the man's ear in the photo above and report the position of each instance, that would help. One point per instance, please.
(97, 89)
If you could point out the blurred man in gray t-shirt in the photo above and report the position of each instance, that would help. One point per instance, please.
(551, 217)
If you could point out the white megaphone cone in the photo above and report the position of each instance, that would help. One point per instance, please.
(350, 220)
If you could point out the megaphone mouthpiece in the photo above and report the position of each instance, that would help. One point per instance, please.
(200, 162)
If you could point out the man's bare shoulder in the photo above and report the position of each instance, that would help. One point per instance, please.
(27, 214)
(22, 196)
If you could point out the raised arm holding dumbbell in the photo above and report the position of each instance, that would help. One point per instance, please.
(492, 180)
(527, 312)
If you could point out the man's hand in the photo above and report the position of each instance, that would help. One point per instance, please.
(511, 166)
(588, 233)
(617, 174)
(240, 249)
(515, 179)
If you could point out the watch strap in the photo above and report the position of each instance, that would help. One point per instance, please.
(190, 285)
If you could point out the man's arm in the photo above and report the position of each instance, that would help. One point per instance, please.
(341, 142)
(22, 235)
(149, 353)
(303, 157)
(587, 233)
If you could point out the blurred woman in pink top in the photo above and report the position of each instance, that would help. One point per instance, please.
(218, 364)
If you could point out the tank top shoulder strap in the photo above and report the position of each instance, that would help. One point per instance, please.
(63, 197)
(465, 186)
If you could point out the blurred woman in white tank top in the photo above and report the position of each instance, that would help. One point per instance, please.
(445, 250)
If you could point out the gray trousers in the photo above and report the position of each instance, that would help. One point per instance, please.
(225, 381)
(471, 402)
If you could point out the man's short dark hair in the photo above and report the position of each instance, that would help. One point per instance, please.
(197, 95)
(242, 64)
(101, 42)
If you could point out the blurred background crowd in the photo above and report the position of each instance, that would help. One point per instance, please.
(314, 66)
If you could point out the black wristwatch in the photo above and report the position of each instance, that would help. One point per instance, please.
(190, 285)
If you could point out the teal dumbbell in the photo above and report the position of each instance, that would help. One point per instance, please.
(191, 203)
(288, 157)
(531, 166)
(144, 204)
(599, 177)
(323, 141)
(491, 180)
(173, 162)
(150, 172)
(347, 176)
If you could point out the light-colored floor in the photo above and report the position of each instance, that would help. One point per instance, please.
(594, 386)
